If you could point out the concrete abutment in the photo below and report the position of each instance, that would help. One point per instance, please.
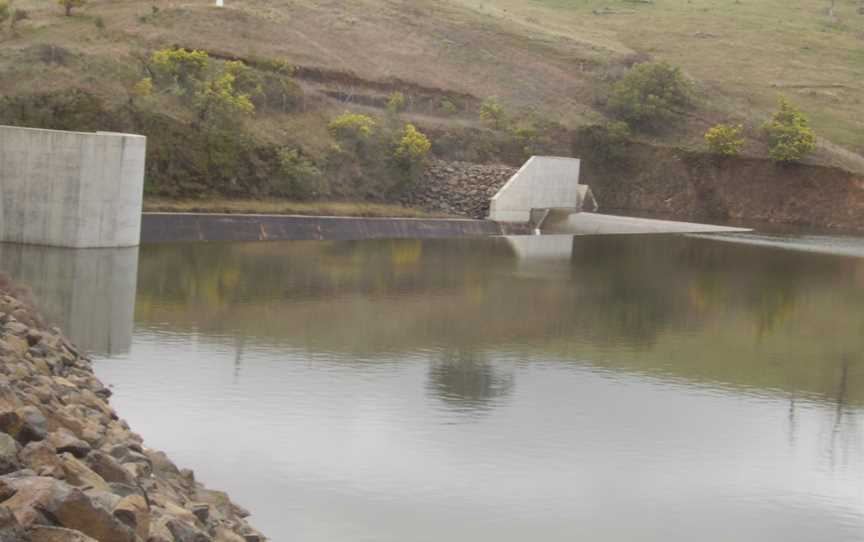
(71, 189)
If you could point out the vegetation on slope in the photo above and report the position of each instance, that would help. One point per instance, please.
(493, 80)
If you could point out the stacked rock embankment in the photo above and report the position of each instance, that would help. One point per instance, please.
(458, 188)
(71, 470)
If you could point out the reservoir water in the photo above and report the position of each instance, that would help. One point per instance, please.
(604, 389)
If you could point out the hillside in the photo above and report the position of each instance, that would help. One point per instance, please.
(550, 63)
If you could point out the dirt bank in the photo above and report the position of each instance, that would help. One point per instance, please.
(696, 186)
(70, 469)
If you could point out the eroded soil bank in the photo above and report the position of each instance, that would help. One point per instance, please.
(70, 469)
(695, 186)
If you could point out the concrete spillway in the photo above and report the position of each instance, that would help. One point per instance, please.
(599, 224)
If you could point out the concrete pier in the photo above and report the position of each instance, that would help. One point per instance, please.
(70, 189)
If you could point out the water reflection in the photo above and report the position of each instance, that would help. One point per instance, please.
(465, 380)
(695, 308)
(492, 390)
(89, 293)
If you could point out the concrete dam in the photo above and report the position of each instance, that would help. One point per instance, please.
(85, 190)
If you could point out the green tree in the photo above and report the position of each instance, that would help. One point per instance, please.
(650, 94)
(68, 5)
(790, 137)
(725, 139)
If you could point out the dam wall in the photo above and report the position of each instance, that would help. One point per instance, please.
(70, 189)
(174, 227)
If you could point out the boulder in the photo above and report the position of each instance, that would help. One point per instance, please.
(109, 468)
(43, 533)
(9, 448)
(184, 532)
(44, 501)
(42, 458)
(10, 529)
(64, 441)
(34, 426)
(80, 475)
(134, 512)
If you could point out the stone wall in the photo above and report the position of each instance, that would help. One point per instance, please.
(458, 188)
(70, 189)
(71, 470)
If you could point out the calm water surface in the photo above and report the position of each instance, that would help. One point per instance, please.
(556, 389)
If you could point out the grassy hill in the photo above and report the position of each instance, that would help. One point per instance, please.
(550, 63)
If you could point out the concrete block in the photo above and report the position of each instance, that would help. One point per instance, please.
(71, 189)
(543, 182)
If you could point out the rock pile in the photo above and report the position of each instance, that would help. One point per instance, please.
(458, 188)
(71, 470)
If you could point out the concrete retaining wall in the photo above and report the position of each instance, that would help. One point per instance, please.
(169, 227)
(543, 182)
(70, 189)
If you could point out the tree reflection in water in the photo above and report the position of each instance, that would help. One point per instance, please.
(464, 380)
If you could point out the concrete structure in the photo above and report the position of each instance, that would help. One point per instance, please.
(89, 293)
(70, 189)
(597, 224)
(543, 182)
(171, 227)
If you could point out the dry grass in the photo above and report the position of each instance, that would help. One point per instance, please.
(545, 55)
(286, 207)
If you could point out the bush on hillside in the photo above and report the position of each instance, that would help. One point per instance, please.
(605, 141)
(68, 5)
(352, 127)
(5, 11)
(412, 147)
(396, 102)
(492, 113)
(725, 139)
(218, 96)
(299, 177)
(19, 15)
(651, 94)
(790, 137)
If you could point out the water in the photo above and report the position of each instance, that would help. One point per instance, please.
(599, 389)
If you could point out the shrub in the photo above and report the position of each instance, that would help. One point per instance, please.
(99, 22)
(725, 139)
(447, 106)
(143, 88)
(396, 102)
(606, 141)
(790, 137)
(650, 94)
(19, 15)
(219, 99)
(180, 67)
(492, 112)
(299, 176)
(68, 5)
(5, 12)
(413, 146)
(352, 127)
